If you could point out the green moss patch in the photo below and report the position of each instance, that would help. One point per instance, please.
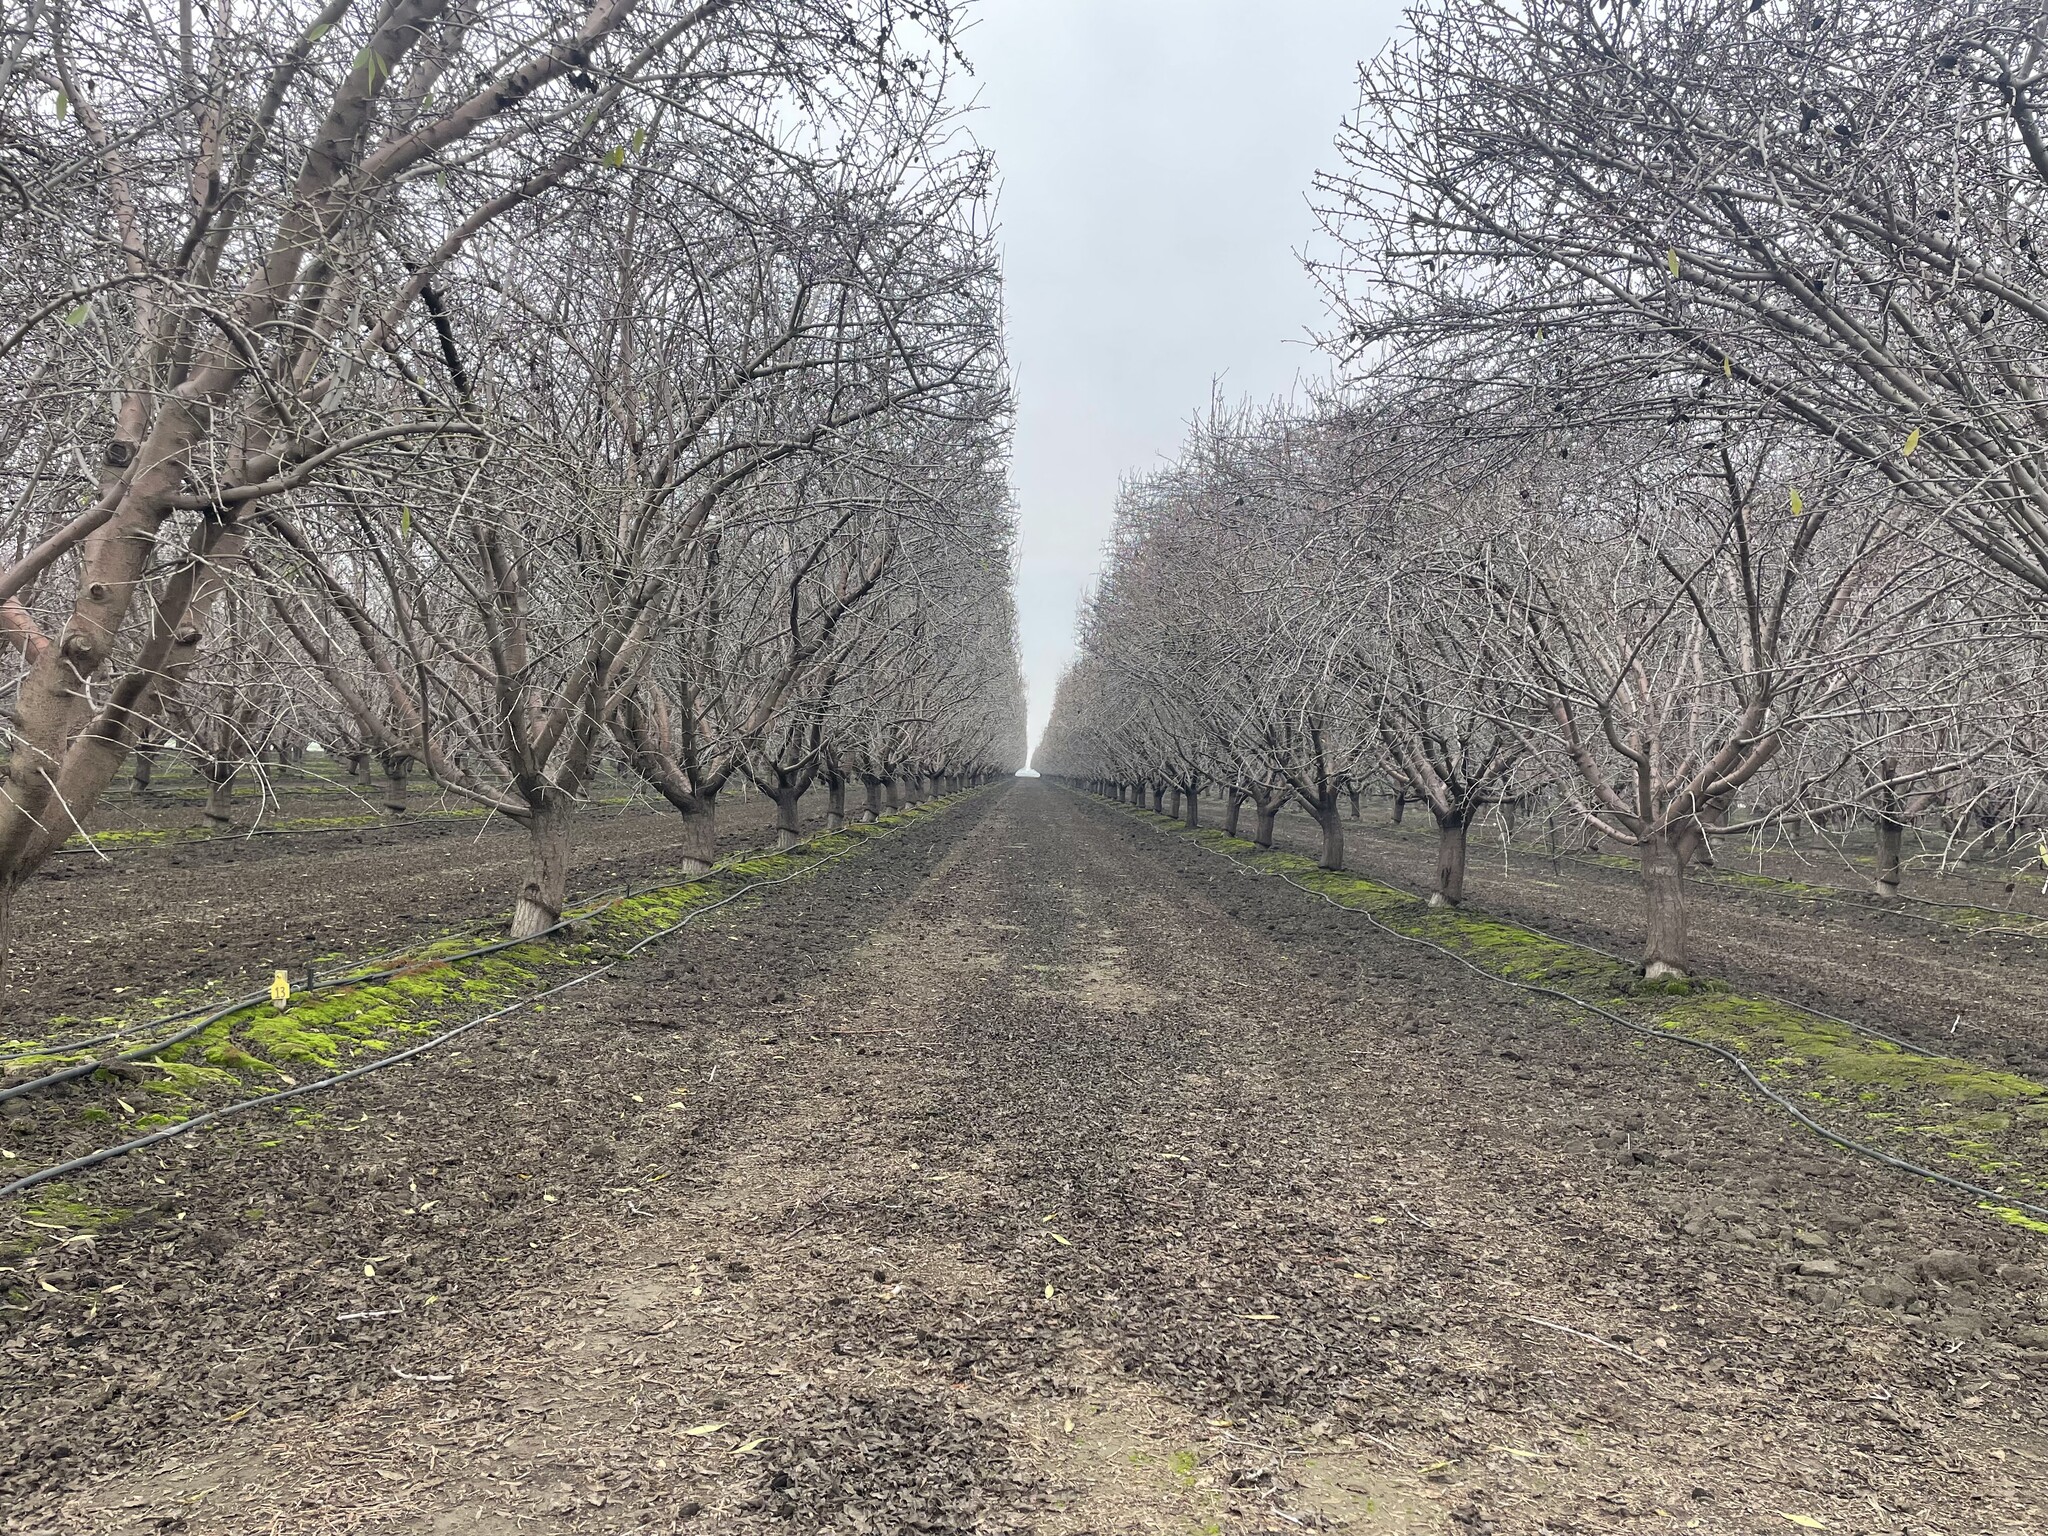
(320, 1031)
(1978, 1123)
(46, 1220)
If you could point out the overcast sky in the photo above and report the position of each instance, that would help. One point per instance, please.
(1156, 158)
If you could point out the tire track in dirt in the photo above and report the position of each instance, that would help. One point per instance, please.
(1096, 1187)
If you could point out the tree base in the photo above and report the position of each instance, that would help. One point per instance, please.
(531, 919)
(1663, 970)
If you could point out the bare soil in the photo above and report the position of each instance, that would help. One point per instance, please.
(1030, 1170)
(158, 918)
(1968, 992)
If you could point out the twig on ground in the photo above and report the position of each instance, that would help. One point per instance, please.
(409, 1376)
(1590, 1338)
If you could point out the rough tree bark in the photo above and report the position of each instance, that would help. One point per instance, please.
(218, 814)
(1891, 836)
(546, 890)
(1262, 825)
(697, 845)
(789, 826)
(397, 767)
(1664, 946)
(1450, 861)
(1233, 803)
(1331, 820)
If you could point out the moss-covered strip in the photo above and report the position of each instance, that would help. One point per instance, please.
(259, 1048)
(1981, 1123)
(136, 836)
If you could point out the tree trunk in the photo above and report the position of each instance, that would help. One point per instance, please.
(872, 810)
(788, 822)
(546, 890)
(145, 768)
(1450, 862)
(1355, 813)
(697, 847)
(1191, 809)
(1891, 833)
(1173, 804)
(1331, 821)
(894, 786)
(835, 804)
(1664, 951)
(395, 771)
(1400, 807)
(1158, 799)
(1262, 828)
(1233, 803)
(220, 797)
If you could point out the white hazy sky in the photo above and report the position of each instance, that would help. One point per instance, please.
(1156, 157)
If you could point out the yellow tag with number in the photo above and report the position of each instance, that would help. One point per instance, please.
(280, 991)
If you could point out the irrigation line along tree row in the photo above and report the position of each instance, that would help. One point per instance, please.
(1735, 1059)
(321, 1085)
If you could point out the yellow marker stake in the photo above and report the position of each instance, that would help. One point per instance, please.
(280, 991)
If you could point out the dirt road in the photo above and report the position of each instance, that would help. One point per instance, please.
(1033, 1170)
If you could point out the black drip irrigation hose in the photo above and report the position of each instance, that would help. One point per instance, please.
(252, 999)
(593, 904)
(183, 1127)
(1734, 1059)
(68, 1046)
